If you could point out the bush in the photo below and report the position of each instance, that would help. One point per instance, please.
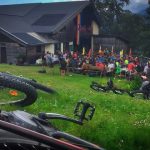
(135, 83)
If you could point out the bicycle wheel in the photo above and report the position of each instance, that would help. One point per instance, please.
(138, 95)
(118, 91)
(29, 81)
(29, 94)
(97, 88)
(94, 87)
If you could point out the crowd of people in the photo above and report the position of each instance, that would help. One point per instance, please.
(108, 63)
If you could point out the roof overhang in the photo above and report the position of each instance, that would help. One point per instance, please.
(13, 37)
(20, 41)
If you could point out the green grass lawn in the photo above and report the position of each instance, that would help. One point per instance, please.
(120, 122)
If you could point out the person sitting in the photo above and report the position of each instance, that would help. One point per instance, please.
(147, 69)
(110, 68)
(145, 87)
(118, 68)
(100, 59)
(131, 69)
(126, 62)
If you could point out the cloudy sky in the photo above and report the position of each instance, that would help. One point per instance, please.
(135, 5)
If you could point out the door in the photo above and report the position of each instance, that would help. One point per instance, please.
(3, 55)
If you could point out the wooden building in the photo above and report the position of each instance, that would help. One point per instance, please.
(29, 30)
(110, 42)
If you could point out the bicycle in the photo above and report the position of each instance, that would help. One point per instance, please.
(21, 130)
(109, 87)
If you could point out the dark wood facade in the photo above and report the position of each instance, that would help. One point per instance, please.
(68, 33)
(109, 41)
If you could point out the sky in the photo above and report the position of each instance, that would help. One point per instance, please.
(135, 5)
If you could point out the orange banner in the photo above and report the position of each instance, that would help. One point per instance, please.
(78, 30)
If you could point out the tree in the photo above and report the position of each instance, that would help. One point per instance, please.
(110, 11)
(145, 34)
(129, 27)
(134, 27)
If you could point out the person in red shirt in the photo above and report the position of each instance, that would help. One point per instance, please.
(131, 68)
(75, 55)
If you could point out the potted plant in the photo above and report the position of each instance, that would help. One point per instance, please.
(20, 59)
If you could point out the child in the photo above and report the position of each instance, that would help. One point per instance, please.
(63, 67)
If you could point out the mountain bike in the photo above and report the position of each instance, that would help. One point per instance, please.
(20, 130)
(109, 87)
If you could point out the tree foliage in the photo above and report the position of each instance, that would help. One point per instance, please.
(134, 27)
(145, 33)
(110, 11)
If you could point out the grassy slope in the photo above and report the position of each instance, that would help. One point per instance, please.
(120, 122)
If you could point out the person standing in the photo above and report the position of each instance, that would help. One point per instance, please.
(63, 67)
(48, 59)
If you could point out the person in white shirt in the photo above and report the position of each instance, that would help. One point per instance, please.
(110, 68)
(48, 59)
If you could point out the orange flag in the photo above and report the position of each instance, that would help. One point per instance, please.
(89, 53)
(78, 30)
